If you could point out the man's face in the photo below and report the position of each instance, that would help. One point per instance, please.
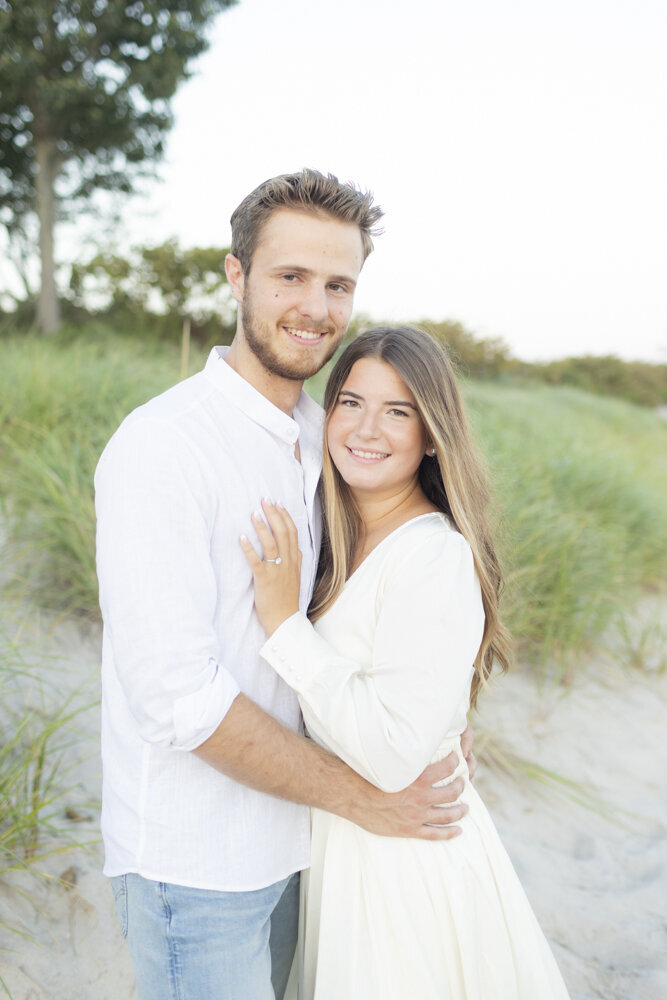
(296, 300)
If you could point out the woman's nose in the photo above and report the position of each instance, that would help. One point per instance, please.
(368, 424)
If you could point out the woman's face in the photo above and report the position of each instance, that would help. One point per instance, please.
(375, 435)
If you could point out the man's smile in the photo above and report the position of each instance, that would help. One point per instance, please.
(304, 335)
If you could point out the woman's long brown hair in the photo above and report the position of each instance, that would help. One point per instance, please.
(454, 480)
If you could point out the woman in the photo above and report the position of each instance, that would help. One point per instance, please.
(403, 633)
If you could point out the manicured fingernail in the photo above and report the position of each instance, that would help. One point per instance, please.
(257, 515)
(268, 501)
(243, 538)
(278, 504)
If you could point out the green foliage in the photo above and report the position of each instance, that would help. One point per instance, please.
(35, 722)
(60, 401)
(475, 356)
(637, 381)
(157, 280)
(85, 87)
(94, 78)
(581, 481)
(478, 357)
(583, 488)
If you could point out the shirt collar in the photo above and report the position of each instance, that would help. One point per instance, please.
(307, 413)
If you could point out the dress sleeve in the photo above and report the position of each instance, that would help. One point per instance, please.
(387, 719)
(158, 588)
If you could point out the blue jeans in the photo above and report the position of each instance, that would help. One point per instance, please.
(198, 944)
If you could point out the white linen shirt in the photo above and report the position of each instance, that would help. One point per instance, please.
(175, 488)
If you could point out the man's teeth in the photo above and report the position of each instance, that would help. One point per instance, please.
(368, 454)
(303, 334)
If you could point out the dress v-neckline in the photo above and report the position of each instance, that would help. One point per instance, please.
(380, 544)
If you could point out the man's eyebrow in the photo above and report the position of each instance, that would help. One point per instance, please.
(343, 279)
(293, 267)
(387, 402)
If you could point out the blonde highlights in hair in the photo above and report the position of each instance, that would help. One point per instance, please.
(454, 479)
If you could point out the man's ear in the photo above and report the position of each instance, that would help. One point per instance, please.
(235, 276)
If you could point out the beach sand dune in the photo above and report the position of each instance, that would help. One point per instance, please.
(596, 876)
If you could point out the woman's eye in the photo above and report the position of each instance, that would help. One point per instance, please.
(397, 412)
(348, 402)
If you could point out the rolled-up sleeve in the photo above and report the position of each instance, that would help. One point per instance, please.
(386, 718)
(158, 589)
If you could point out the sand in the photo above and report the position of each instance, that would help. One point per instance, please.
(597, 882)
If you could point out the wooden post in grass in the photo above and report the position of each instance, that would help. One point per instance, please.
(185, 348)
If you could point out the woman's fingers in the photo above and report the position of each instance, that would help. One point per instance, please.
(283, 528)
(278, 537)
(277, 575)
(270, 544)
(249, 552)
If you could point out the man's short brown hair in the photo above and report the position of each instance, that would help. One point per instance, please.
(307, 191)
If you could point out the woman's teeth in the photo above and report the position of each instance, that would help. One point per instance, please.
(368, 454)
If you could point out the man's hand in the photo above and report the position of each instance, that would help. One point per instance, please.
(253, 748)
(467, 740)
(421, 810)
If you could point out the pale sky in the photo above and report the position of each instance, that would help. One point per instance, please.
(518, 147)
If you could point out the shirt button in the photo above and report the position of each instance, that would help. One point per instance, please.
(290, 666)
(282, 657)
(299, 677)
(274, 648)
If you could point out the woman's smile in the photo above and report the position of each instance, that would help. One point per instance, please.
(375, 434)
(367, 456)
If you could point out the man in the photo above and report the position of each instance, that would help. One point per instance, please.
(206, 776)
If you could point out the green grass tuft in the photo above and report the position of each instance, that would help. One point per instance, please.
(581, 482)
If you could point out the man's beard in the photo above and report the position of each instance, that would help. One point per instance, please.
(262, 349)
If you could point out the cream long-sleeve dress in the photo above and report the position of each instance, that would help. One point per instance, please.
(384, 682)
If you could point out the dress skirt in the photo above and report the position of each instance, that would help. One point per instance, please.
(398, 919)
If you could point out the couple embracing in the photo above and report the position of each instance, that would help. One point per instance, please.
(263, 565)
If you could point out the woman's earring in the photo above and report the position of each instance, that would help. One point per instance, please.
(431, 451)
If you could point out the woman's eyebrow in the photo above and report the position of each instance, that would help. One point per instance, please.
(386, 402)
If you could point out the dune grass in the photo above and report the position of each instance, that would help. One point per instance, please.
(35, 737)
(581, 482)
(60, 403)
(37, 740)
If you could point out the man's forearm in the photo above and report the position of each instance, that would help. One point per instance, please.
(254, 749)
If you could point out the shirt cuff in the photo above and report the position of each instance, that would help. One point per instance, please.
(197, 715)
(297, 653)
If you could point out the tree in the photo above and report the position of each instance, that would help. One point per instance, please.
(162, 280)
(85, 87)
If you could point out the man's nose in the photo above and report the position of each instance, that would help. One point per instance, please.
(313, 303)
